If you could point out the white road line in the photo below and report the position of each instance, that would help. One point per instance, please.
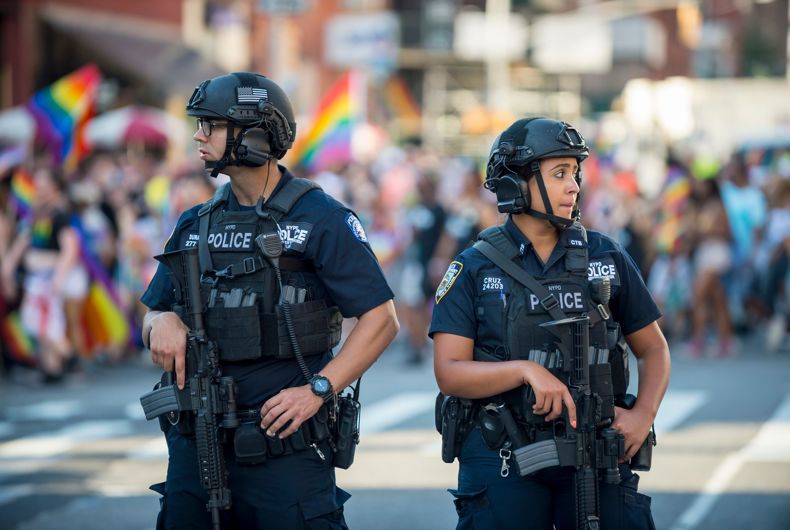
(773, 438)
(383, 414)
(6, 429)
(9, 493)
(134, 411)
(154, 449)
(772, 443)
(48, 410)
(51, 443)
(676, 407)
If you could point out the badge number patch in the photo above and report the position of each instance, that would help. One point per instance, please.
(453, 271)
(356, 227)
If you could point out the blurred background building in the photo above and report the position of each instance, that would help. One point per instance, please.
(470, 65)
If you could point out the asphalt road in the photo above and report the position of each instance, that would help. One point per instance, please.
(80, 455)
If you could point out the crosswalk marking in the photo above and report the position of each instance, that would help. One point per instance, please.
(154, 449)
(772, 439)
(50, 444)
(47, 410)
(772, 443)
(6, 429)
(9, 493)
(391, 411)
(134, 411)
(676, 407)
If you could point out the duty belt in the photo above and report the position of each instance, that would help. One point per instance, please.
(253, 446)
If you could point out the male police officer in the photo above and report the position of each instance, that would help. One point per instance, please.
(245, 123)
(492, 346)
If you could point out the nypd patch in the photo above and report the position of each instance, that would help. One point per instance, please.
(603, 268)
(356, 227)
(453, 271)
(294, 235)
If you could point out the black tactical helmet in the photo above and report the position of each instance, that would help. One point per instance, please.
(515, 156)
(250, 101)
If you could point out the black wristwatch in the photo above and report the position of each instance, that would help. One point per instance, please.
(322, 387)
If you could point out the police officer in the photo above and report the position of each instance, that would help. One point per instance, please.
(490, 348)
(245, 124)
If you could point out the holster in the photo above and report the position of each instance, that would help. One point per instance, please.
(643, 459)
(454, 420)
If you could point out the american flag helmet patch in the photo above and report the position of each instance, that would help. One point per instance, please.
(248, 94)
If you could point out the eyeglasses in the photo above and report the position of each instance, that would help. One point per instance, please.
(207, 126)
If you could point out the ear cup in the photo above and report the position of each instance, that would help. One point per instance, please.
(253, 148)
(512, 194)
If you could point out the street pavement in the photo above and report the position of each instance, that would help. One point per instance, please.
(80, 455)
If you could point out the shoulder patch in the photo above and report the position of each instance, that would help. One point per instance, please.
(294, 235)
(453, 271)
(603, 268)
(356, 227)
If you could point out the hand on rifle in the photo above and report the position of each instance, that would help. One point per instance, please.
(633, 425)
(296, 404)
(167, 342)
(550, 393)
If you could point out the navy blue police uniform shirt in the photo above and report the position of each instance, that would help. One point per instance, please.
(473, 281)
(319, 230)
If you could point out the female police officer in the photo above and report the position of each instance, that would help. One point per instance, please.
(493, 348)
(244, 125)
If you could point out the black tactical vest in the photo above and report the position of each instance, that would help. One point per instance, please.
(240, 289)
(524, 311)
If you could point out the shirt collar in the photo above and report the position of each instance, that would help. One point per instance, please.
(233, 202)
(522, 242)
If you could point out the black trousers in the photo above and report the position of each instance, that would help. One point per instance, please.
(541, 501)
(291, 492)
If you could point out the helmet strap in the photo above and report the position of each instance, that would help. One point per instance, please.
(560, 223)
(225, 161)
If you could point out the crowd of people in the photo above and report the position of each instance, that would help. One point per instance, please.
(712, 246)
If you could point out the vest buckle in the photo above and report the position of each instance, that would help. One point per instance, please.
(549, 303)
(208, 279)
(249, 265)
(227, 272)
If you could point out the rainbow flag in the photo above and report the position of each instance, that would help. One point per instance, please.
(61, 111)
(402, 107)
(23, 191)
(328, 141)
(105, 323)
(19, 346)
(669, 228)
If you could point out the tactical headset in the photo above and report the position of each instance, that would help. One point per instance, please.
(515, 157)
(255, 104)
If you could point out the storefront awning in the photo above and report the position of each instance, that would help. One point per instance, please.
(150, 52)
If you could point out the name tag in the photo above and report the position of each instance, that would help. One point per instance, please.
(189, 239)
(489, 283)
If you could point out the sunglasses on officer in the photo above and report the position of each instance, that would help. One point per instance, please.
(207, 126)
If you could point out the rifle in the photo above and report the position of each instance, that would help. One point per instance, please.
(592, 445)
(207, 394)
